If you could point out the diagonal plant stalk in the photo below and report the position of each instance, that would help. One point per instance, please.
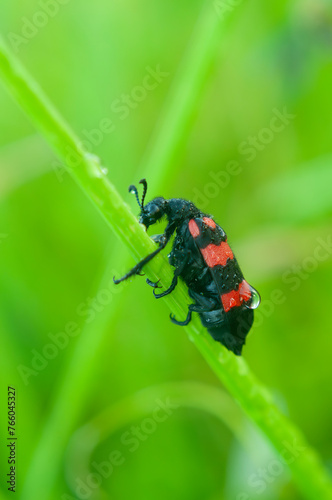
(307, 469)
(175, 123)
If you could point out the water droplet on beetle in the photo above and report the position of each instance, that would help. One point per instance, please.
(255, 299)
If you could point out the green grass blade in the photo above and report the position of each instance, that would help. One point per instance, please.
(174, 125)
(233, 371)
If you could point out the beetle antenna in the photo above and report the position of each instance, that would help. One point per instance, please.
(145, 188)
(133, 189)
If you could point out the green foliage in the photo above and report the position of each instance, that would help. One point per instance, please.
(56, 272)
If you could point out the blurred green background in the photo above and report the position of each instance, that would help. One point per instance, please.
(261, 126)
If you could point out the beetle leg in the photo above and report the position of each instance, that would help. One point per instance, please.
(202, 304)
(202, 308)
(157, 238)
(205, 304)
(154, 284)
(174, 282)
(137, 269)
(169, 290)
(181, 323)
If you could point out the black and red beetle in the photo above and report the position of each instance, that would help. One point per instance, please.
(205, 262)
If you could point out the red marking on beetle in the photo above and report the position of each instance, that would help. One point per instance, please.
(209, 222)
(215, 255)
(244, 290)
(231, 299)
(234, 298)
(193, 228)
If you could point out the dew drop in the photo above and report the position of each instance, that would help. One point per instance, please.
(92, 157)
(255, 299)
(95, 167)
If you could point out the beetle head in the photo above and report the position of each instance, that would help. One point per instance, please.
(151, 212)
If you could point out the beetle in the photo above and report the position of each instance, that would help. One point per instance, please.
(203, 259)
